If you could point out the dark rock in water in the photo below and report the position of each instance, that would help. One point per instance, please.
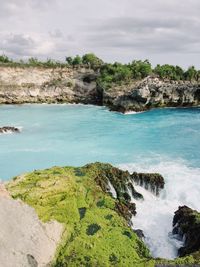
(139, 233)
(150, 181)
(186, 224)
(7, 129)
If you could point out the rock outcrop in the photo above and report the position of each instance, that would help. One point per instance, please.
(120, 184)
(25, 241)
(152, 92)
(107, 177)
(153, 182)
(9, 129)
(186, 224)
(95, 232)
(67, 85)
(46, 85)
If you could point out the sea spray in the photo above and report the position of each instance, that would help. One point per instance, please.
(155, 214)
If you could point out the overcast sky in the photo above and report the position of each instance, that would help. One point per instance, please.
(116, 30)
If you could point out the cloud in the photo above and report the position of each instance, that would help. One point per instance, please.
(56, 33)
(20, 45)
(163, 31)
(157, 35)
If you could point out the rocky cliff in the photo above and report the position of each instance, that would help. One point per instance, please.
(152, 92)
(46, 85)
(66, 85)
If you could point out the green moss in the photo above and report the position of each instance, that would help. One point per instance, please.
(95, 234)
(94, 231)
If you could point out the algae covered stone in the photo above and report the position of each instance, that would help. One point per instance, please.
(94, 234)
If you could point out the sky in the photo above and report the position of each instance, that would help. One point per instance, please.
(115, 30)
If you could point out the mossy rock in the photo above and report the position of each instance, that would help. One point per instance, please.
(73, 197)
(94, 233)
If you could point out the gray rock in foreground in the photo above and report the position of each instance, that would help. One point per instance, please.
(24, 240)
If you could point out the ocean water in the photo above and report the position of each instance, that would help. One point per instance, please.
(162, 140)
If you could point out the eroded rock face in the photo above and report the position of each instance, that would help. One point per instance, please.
(46, 85)
(9, 129)
(120, 184)
(153, 182)
(67, 85)
(186, 224)
(152, 92)
(107, 177)
(25, 241)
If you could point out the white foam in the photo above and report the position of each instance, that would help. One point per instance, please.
(155, 214)
(112, 189)
(133, 112)
(7, 132)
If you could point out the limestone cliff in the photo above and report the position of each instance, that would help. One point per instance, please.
(67, 85)
(152, 92)
(46, 85)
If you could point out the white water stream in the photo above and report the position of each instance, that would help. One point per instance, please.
(155, 214)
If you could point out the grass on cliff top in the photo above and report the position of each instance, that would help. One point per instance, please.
(95, 235)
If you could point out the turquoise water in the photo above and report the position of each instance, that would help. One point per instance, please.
(76, 134)
(162, 140)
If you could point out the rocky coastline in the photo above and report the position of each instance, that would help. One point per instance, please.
(68, 85)
(94, 222)
(97, 199)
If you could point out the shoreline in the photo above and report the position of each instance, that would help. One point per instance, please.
(131, 112)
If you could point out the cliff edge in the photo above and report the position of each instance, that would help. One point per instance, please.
(20, 85)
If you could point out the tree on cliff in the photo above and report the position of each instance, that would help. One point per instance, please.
(92, 60)
(169, 72)
(114, 73)
(5, 59)
(69, 60)
(77, 60)
(191, 74)
(140, 69)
